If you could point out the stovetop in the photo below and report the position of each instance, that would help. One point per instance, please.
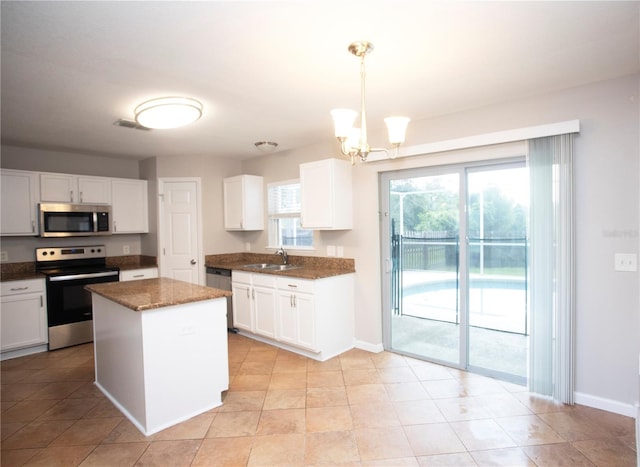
(72, 260)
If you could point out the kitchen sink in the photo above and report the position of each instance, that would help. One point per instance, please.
(272, 267)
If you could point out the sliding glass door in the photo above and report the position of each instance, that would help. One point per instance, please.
(455, 243)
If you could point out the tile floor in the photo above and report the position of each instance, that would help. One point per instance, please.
(283, 409)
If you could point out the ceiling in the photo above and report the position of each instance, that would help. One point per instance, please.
(273, 70)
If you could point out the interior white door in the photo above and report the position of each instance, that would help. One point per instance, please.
(180, 231)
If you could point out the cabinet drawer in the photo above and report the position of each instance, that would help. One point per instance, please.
(298, 285)
(264, 280)
(239, 276)
(21, 287)
(137, 274)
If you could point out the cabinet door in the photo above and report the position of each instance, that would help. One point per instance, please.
(305, 314)
(264, 301)
(242, 306)
(58, 188)
(24, 321)
(233, 204)
(18, 203)
(94, 190)
(129, 206)
(287, 322)
(326, 195)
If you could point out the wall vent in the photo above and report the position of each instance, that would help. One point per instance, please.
(130, 124)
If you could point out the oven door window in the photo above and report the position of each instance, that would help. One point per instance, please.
(68, 301)
(74, 222)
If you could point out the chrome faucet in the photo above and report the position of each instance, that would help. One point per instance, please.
(285, 257)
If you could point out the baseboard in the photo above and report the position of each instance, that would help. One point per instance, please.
(374, 348)
(609, 405)
(22, 352)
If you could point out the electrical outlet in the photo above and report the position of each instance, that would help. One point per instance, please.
(626, 262)
(125, 249)
(4, 257)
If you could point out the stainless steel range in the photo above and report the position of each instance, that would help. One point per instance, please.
(68, 270)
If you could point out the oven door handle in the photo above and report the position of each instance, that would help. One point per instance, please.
(92, 275)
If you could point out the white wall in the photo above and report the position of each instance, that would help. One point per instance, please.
(607, 176)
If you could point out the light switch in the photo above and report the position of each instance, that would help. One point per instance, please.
(626, 262)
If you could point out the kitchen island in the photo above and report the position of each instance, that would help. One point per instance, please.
(160, 349)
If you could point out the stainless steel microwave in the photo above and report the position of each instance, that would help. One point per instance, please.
(74, 220)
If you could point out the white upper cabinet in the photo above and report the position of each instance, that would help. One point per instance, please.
(64, 188)
(243, 203)
(129, 206)
(18, 202)
(326, 195)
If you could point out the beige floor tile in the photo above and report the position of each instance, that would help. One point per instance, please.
(434, 438)
(364, 376)
(353, 361)
(87, 431)
(557, 455)
(374, 415)
(295, 380)
(418, 412)
(398, 462)
(87, 390)
(382, 443)
(103, 409)
(607, 452)
(60, 456)
(332, 364)
(250, 382)
(234, 424)
(328, 419)
(8, 429)
(482, 434)
(283, 422)
(574, 426)
(16, 457)
(69, 409)
(36, 434)
(240, 401)
(509, 457)
(20, 391)
(459, 459)
(529, 430)
(367, 394)
(330, 448)
(397, 375)
(173, 453)
(285, 399)
(445, 388)
(26, 411)
(409, 391)
(325, 379)
(290, 365)
(223, 452)
(258, 367)
(462, 408)
(388, 359)
(194, 428)
(115, 455)
(125, 432)
(278, 450)
(326, 397)
(502, 405)
(426, 371)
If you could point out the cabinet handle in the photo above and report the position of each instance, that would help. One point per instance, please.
(248, 296)
(71, 195)
(33, 226)
(253, 294)
(115, 228)
(139, 275)
(290, 301)
(295, 301)
(81, 197)
(292, 286)
(15, 289)
(41, 302)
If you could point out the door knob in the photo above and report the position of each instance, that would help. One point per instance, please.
(193, 261)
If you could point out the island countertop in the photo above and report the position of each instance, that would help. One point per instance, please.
(148, 294)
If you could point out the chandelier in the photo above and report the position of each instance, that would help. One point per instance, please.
(353, 141)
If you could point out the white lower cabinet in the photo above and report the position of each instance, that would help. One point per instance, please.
(311, 317)
(137, 274)
(254, 303)
(23, 314)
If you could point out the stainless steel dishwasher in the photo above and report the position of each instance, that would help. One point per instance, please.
(221, 279)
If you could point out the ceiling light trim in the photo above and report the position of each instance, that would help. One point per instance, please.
(168, 112)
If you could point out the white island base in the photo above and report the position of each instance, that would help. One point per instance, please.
(164, 365)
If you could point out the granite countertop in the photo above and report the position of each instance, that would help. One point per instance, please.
(309, 267)
(148, 294)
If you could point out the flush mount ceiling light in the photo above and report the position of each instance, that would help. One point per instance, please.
(168, 112)
(353, 141)
(266, 146)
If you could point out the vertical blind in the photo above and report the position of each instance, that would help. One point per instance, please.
(552, 267)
